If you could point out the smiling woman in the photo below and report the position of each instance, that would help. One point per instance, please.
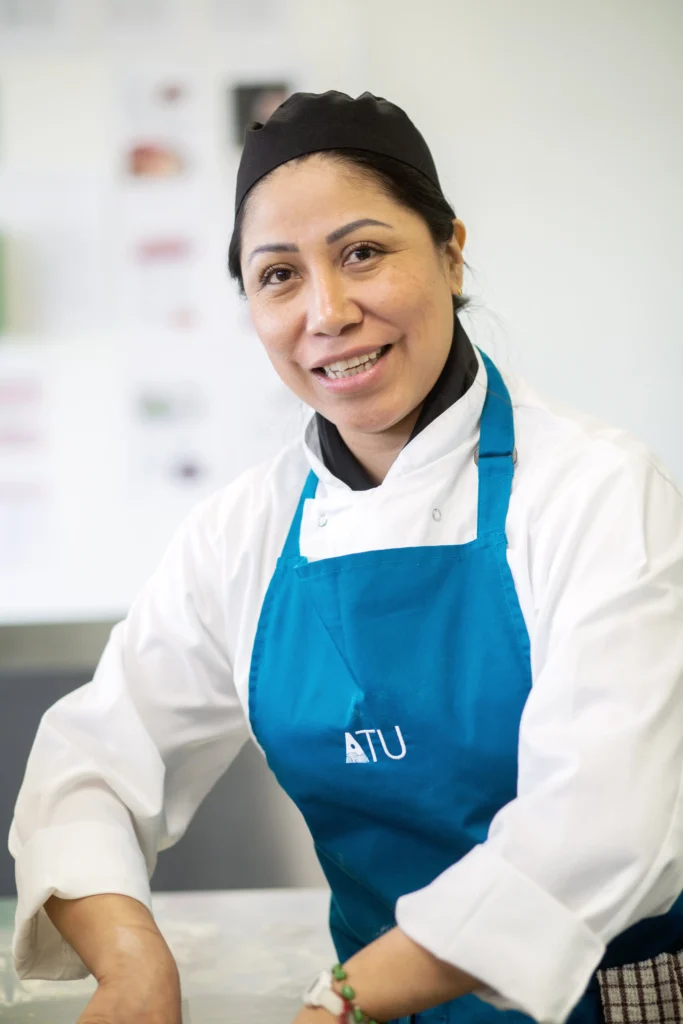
(357, 308)
(356, 315)
(450, 614)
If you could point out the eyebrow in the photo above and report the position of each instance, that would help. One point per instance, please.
(334, 236)
(348, 228)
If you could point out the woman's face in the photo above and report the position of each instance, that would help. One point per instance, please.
(348, 293)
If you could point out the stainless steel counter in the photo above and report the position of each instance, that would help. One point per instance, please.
(244, 958)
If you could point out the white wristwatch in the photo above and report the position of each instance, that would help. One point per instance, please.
(321, 994)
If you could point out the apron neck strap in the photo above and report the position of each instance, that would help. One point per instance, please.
(496, 454)
(292, 548)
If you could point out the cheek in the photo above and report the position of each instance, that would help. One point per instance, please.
(407, 292)
(274, 328)
(412, 304)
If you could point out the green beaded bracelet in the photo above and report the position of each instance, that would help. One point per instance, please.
(348, 995)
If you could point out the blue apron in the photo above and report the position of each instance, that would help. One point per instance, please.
(386, 690)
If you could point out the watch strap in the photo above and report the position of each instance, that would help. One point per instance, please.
(321, 994)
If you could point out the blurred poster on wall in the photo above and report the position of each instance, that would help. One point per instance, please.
(22, 426)
(163, 286)
(171, 437)
(27, 526)
(254, 102)
(4, 285)
(162, 226)
(26, 507)
(52, 274)
(159, 122)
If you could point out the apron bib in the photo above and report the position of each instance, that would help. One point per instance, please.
(386, 690)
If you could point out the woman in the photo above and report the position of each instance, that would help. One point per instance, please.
(451, 618)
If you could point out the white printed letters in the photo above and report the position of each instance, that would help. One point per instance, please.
(355, 754)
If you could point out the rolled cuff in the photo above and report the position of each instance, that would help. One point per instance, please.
(70, 861)
(483, 916)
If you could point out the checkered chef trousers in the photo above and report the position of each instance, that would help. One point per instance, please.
(650, 992)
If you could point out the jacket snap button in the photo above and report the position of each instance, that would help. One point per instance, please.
(436, 515)
(322, 520)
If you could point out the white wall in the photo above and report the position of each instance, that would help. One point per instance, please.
(557, 130)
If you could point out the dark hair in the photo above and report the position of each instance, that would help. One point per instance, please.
(399, 182)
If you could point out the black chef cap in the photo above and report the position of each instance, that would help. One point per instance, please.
(310, 122)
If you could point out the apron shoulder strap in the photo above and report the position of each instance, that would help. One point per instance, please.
(292, 548)
(496, 454)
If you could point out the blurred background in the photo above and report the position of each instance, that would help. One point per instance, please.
(131, 383)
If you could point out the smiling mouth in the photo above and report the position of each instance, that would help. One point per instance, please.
(350, 367)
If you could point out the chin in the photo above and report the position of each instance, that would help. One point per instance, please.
(373, 423)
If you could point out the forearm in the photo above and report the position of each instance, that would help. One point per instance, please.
(112, 934)
(394, 977)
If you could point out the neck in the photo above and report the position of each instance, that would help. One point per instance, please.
(378, 452)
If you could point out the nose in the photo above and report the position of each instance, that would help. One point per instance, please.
(330, 308)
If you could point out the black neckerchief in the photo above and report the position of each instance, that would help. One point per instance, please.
(455, 379)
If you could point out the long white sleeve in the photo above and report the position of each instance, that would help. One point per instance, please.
(119, 766)
(593, 842)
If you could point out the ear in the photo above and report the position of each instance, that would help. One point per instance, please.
(454, 255)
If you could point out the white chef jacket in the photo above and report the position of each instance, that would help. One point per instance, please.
(593, 841)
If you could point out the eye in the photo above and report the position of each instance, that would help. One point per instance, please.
(280, 274)
(364, 251)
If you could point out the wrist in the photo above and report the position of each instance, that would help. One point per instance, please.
(333, 993)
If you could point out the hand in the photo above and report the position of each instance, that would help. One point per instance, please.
(141, 998)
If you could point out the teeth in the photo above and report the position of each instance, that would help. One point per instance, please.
(350, 367)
